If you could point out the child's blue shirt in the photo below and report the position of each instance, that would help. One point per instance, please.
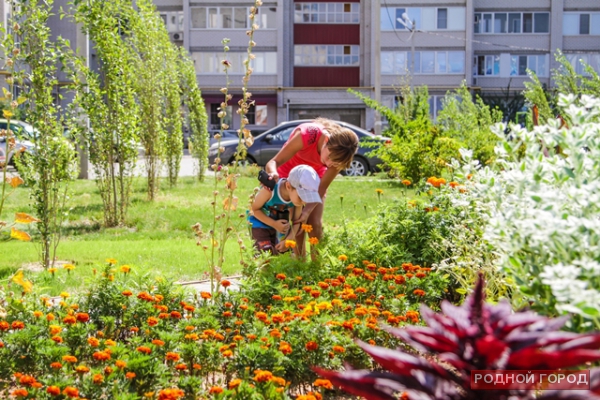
(275, 201)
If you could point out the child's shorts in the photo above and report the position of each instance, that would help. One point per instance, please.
(265, 239)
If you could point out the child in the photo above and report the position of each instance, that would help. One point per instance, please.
(269, 216)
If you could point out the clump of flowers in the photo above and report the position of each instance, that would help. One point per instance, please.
(474, 336)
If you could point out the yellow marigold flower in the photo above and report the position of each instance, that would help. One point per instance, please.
(52, 270)
(343, 257)
(290, 244)
(379, 191)
(82, 369)
(235, 383)
(125, 269)
(70, 359)
(64, 295)
(69, 267)
(111, 261)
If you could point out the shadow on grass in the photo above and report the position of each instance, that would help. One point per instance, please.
(5, 272)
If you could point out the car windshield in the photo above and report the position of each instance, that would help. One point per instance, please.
(23, 129)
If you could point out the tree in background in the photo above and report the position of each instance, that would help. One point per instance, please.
(108, 100)
(422, 148)
(567, 81)
(151, 63)
(49, 168)
(174, 113)
(195, 112)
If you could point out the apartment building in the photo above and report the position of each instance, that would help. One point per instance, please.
(309, 52)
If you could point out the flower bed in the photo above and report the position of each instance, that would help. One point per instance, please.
(131, 338)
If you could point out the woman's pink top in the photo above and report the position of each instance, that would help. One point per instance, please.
(309, 154)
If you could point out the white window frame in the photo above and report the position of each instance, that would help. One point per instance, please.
(210, 63)
(591, 59)
(492, 60)
(533, 63)
(505, 29)
(262, 22)
(326, 13)
(437, 22)
(572, 22)
(327, 55)
(401, 61)
(414, 14)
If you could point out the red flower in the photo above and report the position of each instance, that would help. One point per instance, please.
(225, 283)
(83, 317)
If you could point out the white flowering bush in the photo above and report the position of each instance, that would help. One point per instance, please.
(543, 203)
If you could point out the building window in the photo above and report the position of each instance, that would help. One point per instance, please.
(512, 22)
(536, 63)
(231, 18)
(326, 55)
(435, 105)
(326, 13)
(580, 61)
(173, 21)
(391, 18)
(581, 24)
(442, 18)
(425, 62)
(257, 114)
(214, 114)
(210, 62)
(487, 65)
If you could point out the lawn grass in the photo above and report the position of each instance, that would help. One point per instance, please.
(158, 237)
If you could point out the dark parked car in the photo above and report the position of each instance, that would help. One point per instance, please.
(267, 144)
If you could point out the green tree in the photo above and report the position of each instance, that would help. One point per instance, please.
(107, 99)
(173, 112)
(147, 40)
(51, 166)
(195, 112)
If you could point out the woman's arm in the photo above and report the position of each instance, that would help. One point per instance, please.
(326, 180)
(293, 146)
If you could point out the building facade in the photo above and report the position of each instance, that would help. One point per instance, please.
(309, 52)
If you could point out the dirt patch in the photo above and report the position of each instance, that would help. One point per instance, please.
(38, 267)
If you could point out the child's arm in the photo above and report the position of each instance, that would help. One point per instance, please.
(259, 201)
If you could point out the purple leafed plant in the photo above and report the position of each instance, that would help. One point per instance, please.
(474, 336)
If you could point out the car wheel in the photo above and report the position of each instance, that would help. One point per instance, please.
(358, 167)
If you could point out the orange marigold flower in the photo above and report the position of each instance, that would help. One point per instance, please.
(27, 380)
(225, 283)
(406, 182)
(70, 391)
(262, 376)
(170, 394)
(216, 390)
(126, 293)
(276, 297)
(175, 314)
(108, 370)
(419, 292)
(312, 346)
(130, 375)
(57, 339)
(181, 367)
(281, 277)
(56, 365)
(20, 393)
(313, 241)
(83, 317)
(170, 356)
(152, 321)
(17, 325)
(101, 355)
(134, 329)
(235, 383)
(205, 295)
(82, 369)
(120, 364)
(290, 244)
(261, 316)
(94, 342)
(338, 349)
(343, 257)
(421, 275)
(158, 342)
(307, 228)
(98, 379)
(69, 319)
(144, 349)
(37, 314)
(53, 390)
(227, 314)
(324, 383)
(4, 326)
(70, 359)
(285, 348)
